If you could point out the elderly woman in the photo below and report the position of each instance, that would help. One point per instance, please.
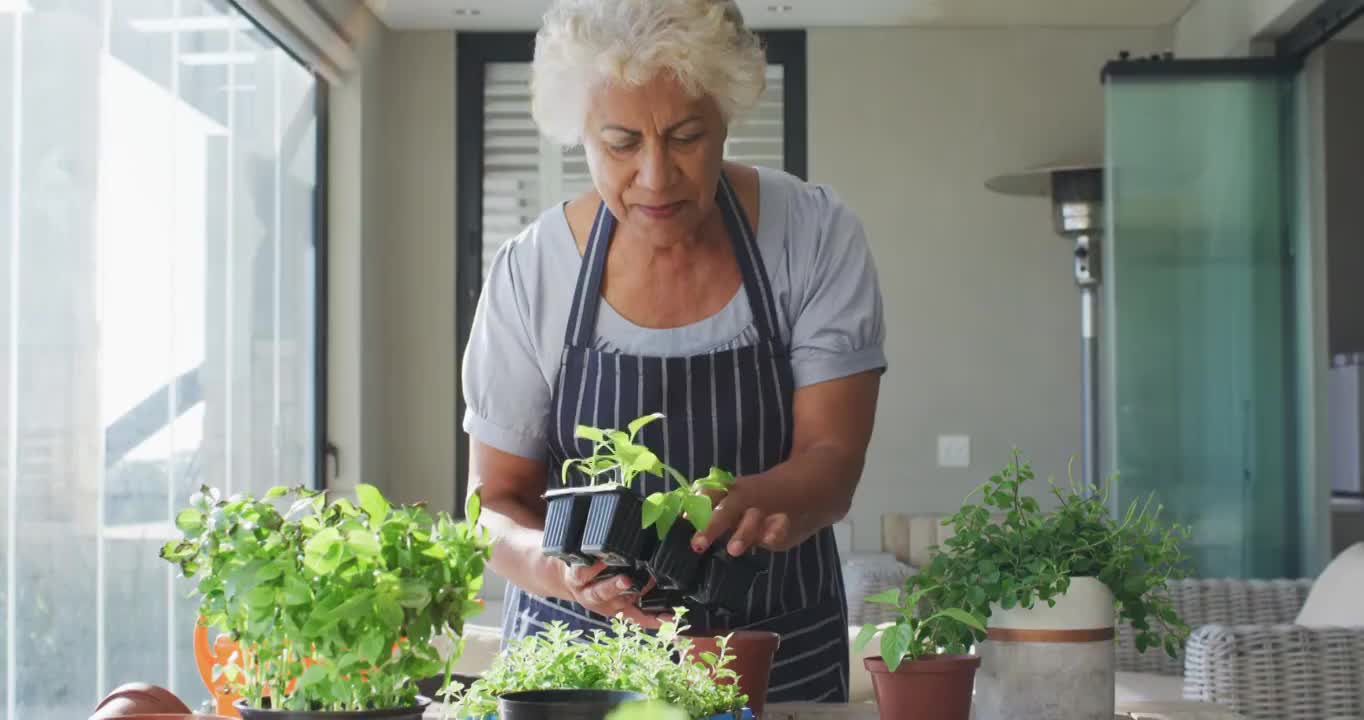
(740, 302)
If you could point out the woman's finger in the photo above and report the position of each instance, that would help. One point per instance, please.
(582, 575)
(727, 514)
(776, 531)
(747, 532)
(608, 591)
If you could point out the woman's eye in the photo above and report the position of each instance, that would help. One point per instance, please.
(622, 147)
(687, 139)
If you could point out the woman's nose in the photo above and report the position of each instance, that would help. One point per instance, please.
(656, 168)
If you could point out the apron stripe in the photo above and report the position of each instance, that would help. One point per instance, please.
(727, 408)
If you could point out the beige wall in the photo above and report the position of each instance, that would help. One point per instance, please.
(1222, 28)
(417, 245)
(981, 308)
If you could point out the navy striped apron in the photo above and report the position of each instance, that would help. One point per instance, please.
(730, 409)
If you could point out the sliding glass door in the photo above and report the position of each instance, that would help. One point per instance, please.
(1202, 312)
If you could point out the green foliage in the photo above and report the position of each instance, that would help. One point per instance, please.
(1031, 556)
(616, 454)
(909, 636)
(628, 658)
(647, 710)
(335, 607)
(662, 509)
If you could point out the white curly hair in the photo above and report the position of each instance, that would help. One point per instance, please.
(584, 43)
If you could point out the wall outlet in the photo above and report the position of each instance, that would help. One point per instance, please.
(954, 451)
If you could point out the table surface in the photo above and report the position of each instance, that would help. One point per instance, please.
(867, 711)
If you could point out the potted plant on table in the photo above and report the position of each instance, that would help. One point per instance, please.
(566, 673)
(918, 673)
(335, 609)
(1050, 583)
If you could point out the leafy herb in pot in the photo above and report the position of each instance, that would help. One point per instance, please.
(911, 676)
(627, 658)
(335, 607)
(1031, 556)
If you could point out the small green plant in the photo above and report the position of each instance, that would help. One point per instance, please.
(1031, 555)
(662, 509)
(334, 607)
(628, 658)
(615, 453)
(909, 636)
(647, 710)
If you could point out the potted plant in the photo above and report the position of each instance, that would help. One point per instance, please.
(919, 673)
(627, 661)
(673, 563)
(1050, 583)
(335, 609)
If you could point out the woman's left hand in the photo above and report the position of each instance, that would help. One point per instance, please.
(744, 511)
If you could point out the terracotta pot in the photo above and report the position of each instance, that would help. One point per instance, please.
(139, 699)
(937, 688)
(752, 651)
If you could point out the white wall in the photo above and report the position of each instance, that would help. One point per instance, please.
(981, 307)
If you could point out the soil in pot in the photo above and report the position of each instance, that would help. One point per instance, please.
(752, 651)
(562, 704)
(936, 688)
(565, 520)
(430, 687)
(725, 581)
(404, 713)
(613, 533)
(674, 564)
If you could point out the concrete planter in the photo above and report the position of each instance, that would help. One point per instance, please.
(1050, 662)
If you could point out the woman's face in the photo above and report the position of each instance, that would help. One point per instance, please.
(655, 156)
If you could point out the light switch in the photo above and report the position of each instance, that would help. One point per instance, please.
(954, 451)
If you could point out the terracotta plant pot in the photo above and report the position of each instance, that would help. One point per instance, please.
(936, 688)
(140, 700)
(753, 651)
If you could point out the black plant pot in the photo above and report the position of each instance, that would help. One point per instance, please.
(404, 713)
(430, 687)
(562, 704)
(613, 533)
(564, 523)
(674, 564)
(659, 600)
(725, 581)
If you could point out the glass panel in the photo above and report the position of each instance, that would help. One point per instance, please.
(157, 179)
(1200, 337)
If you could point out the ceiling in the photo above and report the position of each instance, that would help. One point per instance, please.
(776, 14)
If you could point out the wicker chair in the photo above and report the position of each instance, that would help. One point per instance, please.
(1245, 654)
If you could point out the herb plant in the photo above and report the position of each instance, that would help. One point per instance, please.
(628, 658)
(647, 710)
(908, 636)
(616, 450)
(334, 607)
(1031, 556)
(662, 509)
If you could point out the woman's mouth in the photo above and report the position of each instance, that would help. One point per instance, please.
(661, 212)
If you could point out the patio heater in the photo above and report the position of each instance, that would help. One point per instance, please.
(1076, 193)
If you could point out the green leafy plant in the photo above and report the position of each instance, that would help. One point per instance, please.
(662, 509)
(647, 710)
(615, 454)
(1031, 555)
(334, 607)
(909, 636)
(628, 658)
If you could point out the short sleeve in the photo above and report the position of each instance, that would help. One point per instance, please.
(838, 329)
(506, 394)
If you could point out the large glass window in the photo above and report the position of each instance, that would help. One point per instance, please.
(157, 301)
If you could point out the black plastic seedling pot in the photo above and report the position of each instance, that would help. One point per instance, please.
(725, 581)
(674, 564)
(613, 533)
(564, 523)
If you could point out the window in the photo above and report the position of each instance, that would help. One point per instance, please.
(159, 276)
(508, 173)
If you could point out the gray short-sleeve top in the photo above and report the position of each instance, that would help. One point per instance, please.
(817, 259)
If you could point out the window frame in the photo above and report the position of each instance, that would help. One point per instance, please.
(473, 52)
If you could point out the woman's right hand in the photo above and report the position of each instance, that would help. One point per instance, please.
(609, 597)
